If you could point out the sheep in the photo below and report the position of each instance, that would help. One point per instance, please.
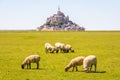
(59, 46)
(49, 47)
(31, 59)
(78, 61)
(88, 62)
(68, 48)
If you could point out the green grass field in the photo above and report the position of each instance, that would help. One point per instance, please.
(16, 45)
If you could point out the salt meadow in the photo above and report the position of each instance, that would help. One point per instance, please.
(16, 45)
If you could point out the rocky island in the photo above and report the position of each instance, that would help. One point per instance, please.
(59, 22)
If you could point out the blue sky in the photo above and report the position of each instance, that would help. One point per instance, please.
(29, 14)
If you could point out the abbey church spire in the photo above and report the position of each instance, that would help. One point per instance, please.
(58, 8)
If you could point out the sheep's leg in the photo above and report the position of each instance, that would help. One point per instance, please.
(27, 66)
(30, 65)
(67, 50)
(95, 67)
(60, 50)
(76, 68)
(73, 68)
(57, 50)
(64, 51)
(38, 65)
(52, 51)
(91, 67)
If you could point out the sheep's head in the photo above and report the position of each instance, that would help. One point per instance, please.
(22, 66)
(66, 69)
(72, 50)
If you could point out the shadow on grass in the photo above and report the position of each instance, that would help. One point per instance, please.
(90, 72)
(97, 72)
(36, 69)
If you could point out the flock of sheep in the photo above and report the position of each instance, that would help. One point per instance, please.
(58, 47)
(87, 62)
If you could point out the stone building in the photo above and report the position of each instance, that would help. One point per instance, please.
(59, 22)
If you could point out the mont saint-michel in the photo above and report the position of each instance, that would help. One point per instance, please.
(59, 22)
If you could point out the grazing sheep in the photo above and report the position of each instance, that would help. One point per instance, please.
(31, 59)
(78, 61)
(49, 47)
(88, 62)
(68, 48)
(59, 46)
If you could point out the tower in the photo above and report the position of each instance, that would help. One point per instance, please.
(58, 8)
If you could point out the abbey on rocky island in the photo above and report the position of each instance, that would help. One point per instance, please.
(59, 22)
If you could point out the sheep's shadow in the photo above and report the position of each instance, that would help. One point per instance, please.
(36, 69)
(90, 72)
(97, 72)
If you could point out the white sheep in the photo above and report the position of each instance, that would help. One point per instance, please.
(68, 48)
(49, 47)
(59, 46)
(31, 59)
(78, 61)
(88, 62)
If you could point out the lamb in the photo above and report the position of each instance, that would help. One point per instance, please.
(59, 46)
(31, 59)
(88, 62)
(49, 47)
(78, 61)
(68, 48)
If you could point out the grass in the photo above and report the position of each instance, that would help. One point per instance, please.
(16, 45)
